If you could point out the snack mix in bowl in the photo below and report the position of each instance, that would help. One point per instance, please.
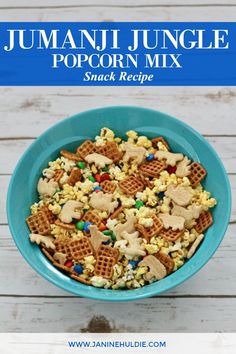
(120, 214)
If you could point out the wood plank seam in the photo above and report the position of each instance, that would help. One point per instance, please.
(113, 6)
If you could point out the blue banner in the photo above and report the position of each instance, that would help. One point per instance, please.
(117, 54)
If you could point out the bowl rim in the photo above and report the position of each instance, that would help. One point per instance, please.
(132, 293)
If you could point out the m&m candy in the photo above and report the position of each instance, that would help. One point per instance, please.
(79, 225)
(86, 226)
(150, 157)
(78, 268)
(171, 169)
(105, 177)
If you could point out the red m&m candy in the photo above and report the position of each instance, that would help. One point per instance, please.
(171, 169)
(68, 264)
(105, 177)
(98, 177)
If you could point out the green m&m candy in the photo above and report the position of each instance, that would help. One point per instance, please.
(107, 232)
(81, 165)
(138, 204)
(91, 178)
(110, 233)
(80, 225)
(113, 237)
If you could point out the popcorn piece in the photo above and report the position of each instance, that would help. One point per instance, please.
(179, 194)
(146, 222)
(69, 211)
(111, 223)
(128, 226)
(195, 245)
(67, 164)
(139, 195)
(151, 249)
(183, 168)
(48, 173)
(143, 141)
(156, 268)
(103, 201)
(99, 282)
(107, 133)
(115, 172)
(171, 158)
(175, 222)
(135, 153)
(87, 186)
(131, 134)
(47, 188)
(97, 237)
(99, 160)
(46, 240)
(55, 208)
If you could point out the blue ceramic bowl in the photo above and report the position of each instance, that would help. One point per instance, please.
(68, 134)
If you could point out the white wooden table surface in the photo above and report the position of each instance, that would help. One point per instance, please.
(28, 303)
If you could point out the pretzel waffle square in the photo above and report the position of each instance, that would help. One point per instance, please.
(171, 235)
(69, 155)
(38, 223)
(131, 185)
(152, 168)
(69, 227)
(80, 248)
(104, 266)
(75, 176)
(166, 260)
(50, 216)
(58, 175)
(197, 174)
(108, 186)
(158, 139)
(110, 150)
(152, 231)
(62, 246)
(108, 251)
(204, 221)
(88, 147)
(92, 217)
(81, 279)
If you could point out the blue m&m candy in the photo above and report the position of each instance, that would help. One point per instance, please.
(78, 268)
(86, 226)
(150, 157)
(97, 188)
(133, 264)
(161, 195)
(106, 242)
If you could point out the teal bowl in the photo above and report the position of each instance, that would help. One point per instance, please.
(68, 134)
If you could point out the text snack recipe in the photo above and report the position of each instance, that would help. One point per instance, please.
(120, 214)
